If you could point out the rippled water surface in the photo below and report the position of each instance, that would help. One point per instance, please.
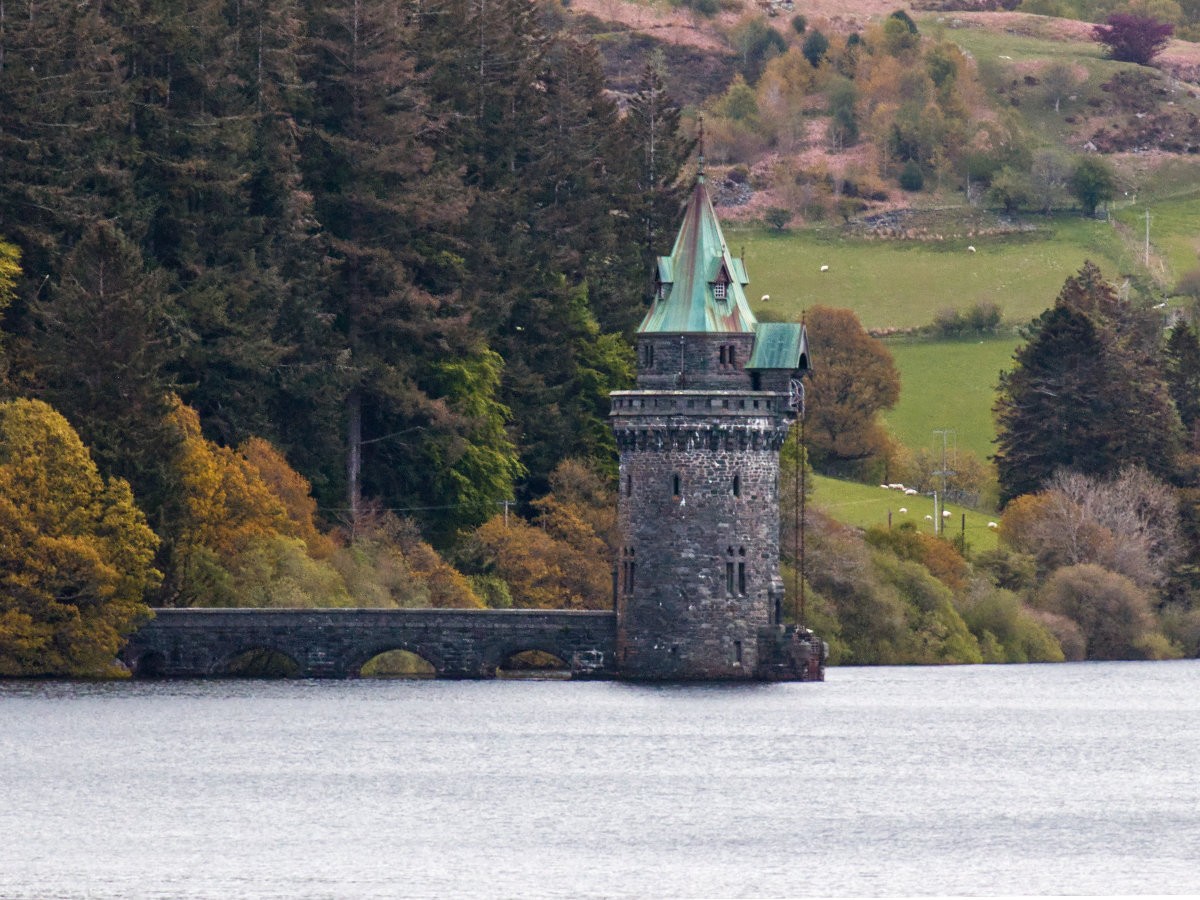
(971, 780)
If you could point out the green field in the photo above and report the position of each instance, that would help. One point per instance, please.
(894, 284)
(864, 505)
(1174, 233)
(948, 385)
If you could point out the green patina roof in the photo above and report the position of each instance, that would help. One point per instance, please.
(780, 345)
(699, 258)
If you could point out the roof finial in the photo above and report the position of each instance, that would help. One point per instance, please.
(700, 174)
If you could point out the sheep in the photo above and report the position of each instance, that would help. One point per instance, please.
(765, 298)
(971, 249)
(910, 491)
(929, 518)
(904, 509)
(992, 525)
(824, 268)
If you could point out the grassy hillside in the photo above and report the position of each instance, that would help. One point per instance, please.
(949, 385)
(864, 505)
(903, 284)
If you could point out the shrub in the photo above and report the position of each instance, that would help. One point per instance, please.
(1112, 612)
(1009, 631)
(911, 178)
(777, 217)
(1132, 38)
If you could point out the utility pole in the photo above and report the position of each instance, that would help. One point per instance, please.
(948, 436)
(1147, 239)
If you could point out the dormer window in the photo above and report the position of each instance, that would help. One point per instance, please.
(719, 290)
(661, 289)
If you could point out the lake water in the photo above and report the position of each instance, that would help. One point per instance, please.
(1067, 779)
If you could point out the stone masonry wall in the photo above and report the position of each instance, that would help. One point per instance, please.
(698, 507)
(694, 361)
(336, 643)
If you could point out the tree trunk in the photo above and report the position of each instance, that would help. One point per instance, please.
(354, 456)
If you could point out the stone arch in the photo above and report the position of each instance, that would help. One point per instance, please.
(497, 655)
(226, 662)
(362, 657)
(150, 664)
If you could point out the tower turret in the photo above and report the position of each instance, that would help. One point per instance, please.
(699, 443)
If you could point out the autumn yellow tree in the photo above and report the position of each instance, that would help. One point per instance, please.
(10, 270)
(240, 527)
(76, 555)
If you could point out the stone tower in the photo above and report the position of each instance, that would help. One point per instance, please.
(698, 587)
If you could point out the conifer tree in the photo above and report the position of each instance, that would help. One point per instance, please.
(1083, 394)
(386, 203)
(103, 344)
(651, 127)
(1182, 369)
(65, 154)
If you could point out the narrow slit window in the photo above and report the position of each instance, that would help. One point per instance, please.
(722, 354)
(628, 485)
(737, 485)
(729, 578)
(741, 579)
(675, 485)
(737, 652)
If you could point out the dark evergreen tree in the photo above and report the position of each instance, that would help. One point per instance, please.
(651, 126)
(386, 203)
(552, 258)
(63, 104)
(1182, 370)
(1082, 395)
(104, 340)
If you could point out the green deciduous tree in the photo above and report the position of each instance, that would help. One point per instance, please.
(1092, 183)
(756, 42)
(75, 552)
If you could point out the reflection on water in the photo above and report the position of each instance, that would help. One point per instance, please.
(979, 780)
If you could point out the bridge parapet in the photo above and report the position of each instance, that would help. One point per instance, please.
(337, 643)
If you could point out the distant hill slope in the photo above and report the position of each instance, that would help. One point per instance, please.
(1141, 120)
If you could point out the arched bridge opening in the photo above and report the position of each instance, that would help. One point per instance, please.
(398, 663)
(533, 663)
(259, 662)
